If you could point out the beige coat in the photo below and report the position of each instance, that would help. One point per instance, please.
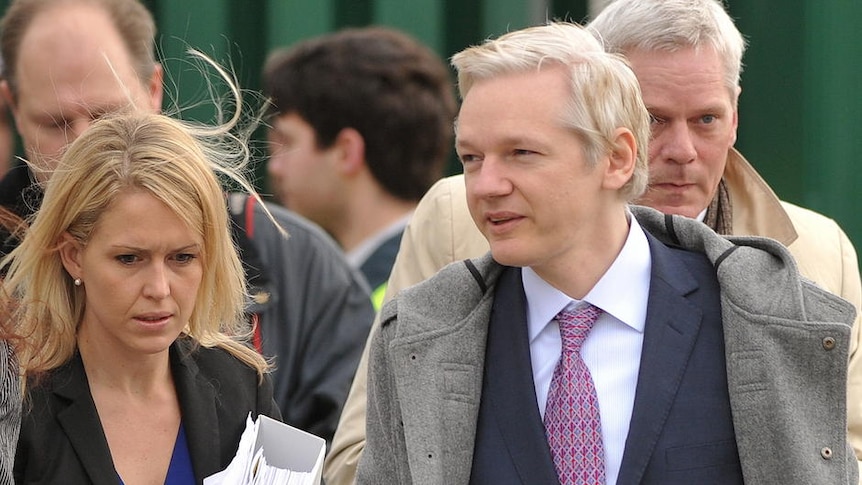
(441, 231)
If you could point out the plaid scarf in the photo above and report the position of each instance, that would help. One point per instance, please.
(719, 213)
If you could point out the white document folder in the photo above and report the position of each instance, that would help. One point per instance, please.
(271, 452)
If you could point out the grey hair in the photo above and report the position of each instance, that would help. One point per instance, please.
(671, 25)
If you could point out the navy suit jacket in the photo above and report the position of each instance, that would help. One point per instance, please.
(62, 440)
(681, 429)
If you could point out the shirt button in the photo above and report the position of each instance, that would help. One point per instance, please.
(828, 343)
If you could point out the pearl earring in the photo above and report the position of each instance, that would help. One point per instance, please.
(78, 282)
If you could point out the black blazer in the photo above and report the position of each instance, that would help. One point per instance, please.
(62, 440)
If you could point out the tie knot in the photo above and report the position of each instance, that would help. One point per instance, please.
(575, 323)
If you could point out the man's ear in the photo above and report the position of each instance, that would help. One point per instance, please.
(9, 98)
(156, 88)
(6, 92)
(351, 151)
(621, 159)
(735, 120)
(70, 255)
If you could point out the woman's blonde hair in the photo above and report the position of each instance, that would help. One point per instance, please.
(177, 162)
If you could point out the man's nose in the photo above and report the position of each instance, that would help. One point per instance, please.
(489, 180)
(677, 144)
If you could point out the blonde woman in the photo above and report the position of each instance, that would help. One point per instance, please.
(129, 281)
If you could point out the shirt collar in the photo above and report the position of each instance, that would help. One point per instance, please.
(366, 248)
(622, 292)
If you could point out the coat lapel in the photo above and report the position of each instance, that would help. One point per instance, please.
(437, 375)
(509, 385)
(672, 326)
(198, 406)
(80, 421)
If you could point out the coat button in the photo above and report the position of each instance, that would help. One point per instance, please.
(828, 343)
(826, 453)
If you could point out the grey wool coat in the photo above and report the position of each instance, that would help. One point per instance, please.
(786, 345)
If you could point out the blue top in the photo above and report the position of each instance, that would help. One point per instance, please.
(180, 470)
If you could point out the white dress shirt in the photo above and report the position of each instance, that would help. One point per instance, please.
(612, 350)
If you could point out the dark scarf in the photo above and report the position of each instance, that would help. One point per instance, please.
(719, 213)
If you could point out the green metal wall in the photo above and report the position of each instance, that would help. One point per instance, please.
(242, 32)
(798, 104)
(800, 101)
(796, 109)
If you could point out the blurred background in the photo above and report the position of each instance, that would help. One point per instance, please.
(799, 103)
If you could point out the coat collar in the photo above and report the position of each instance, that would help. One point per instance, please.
(80, 421)
(756, 208)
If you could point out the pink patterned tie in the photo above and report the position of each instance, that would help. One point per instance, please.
(572, 421)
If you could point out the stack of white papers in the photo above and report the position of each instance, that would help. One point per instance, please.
(271, 452)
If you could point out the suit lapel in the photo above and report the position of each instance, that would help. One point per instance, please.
(80, 421)
(672, 326)
(198, 408)
(509, 385)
